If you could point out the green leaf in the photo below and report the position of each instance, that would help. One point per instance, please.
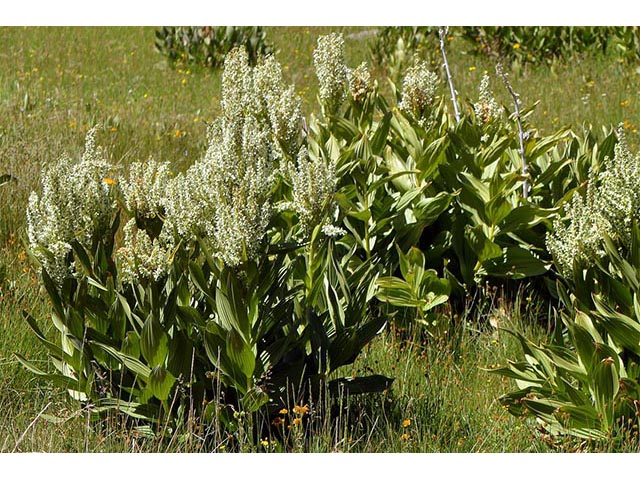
(62, 381)
(54, 349)
(624, 330)
(516, 262)
(429, 209)
(345, 129)
(131, 344)
(133, 364)
(254, 399)
(526, 217)
(242, 357)
(347, 344)
(160, 383)
(379, 139)
(145, 412)
(82, 257)
(497, 209)
(396, 292)
(154, 342)
(484, 248)
(54, 296)
(228, 317)
(197, 276)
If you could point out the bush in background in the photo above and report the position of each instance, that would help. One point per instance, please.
(207, 46)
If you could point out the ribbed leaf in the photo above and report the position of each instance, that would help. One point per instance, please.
(154, 342)
(133, 364)
(160, 383)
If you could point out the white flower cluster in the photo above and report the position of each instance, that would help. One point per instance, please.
(360, 82)
(419, 89)
(314, 182)
(261, 93)
(486, 108)
(143, 258)
(240, 188)
(611, 204)
(331, 70)
(76, 204)
(225, 197)
(144, 190)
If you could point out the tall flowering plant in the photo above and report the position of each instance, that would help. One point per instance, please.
(226, 289)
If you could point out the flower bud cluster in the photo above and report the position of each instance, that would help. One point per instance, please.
(313, 184)
(419, 89)
(610, 206)
(331, 70)
(144, 189)
(144, 258)
(76, 204)
(360, 83)
(226, 196)
(486, 108)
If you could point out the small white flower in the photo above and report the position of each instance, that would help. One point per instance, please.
(314, 182)
(144, 189)
(333, 231)
(143, 258)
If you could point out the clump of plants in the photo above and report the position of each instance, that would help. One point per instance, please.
(208, 46)
(547, 44)
(241, 286)
(230, 291)
(586, 383)
(394, 46)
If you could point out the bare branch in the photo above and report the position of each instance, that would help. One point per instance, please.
(516, 100)
(442, 32)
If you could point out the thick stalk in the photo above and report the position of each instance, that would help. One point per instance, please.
(442, 32)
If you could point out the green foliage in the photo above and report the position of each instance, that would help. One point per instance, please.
(546, 44)
(170, 325)
(393, 47)
(585, 384)
(207, 46)
(419, 290)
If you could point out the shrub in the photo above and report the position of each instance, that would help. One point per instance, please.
(207, 46)
(394, 46)
(547, 44)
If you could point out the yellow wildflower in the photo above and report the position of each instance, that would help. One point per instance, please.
(298, 410)
(109, 181)
(516, 46)
(284, 411)
(406, 423)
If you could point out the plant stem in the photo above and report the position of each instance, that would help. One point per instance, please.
(516, 101)
(442, 32)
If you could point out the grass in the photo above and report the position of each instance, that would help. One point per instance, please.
(55, 83)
